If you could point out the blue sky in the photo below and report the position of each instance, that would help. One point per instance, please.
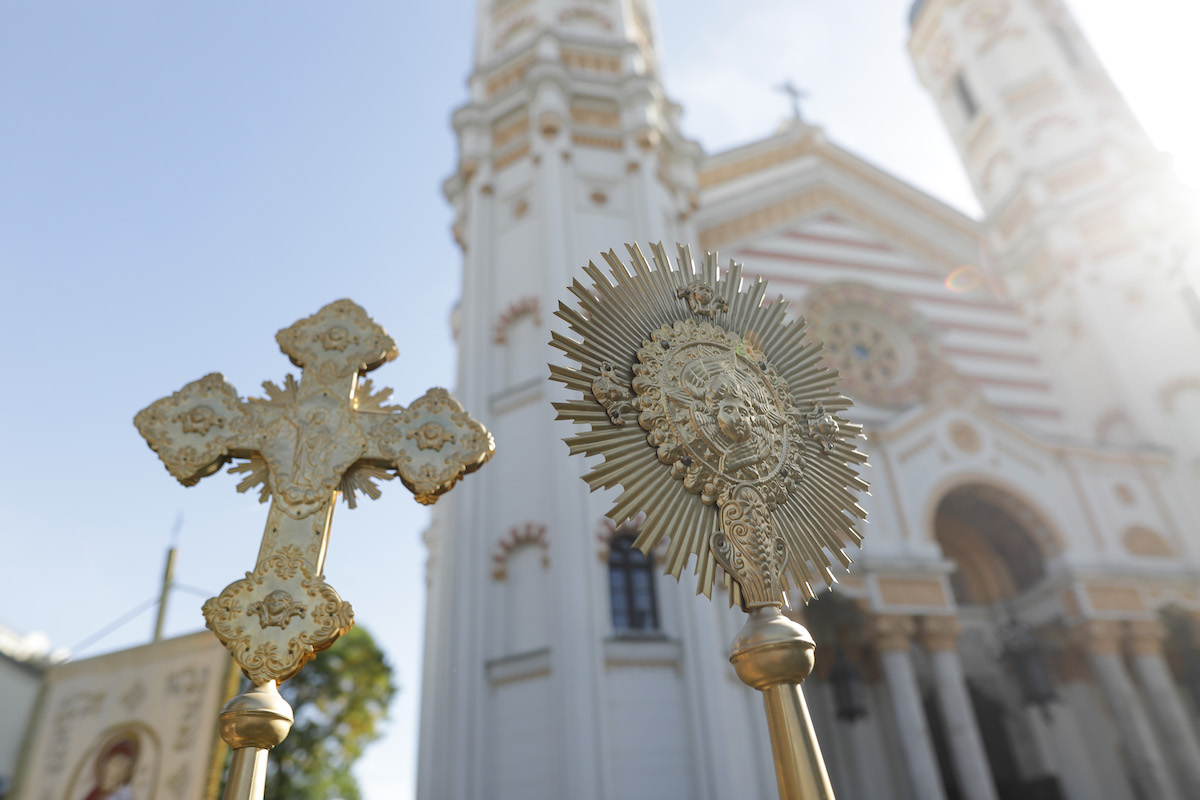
(179, 181)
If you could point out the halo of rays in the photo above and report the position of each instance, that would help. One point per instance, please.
(613, 319)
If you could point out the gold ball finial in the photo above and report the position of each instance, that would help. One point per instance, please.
(258, 718)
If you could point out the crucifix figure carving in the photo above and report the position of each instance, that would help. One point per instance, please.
(303, 444)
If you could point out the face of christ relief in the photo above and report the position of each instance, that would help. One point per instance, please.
(733, 412)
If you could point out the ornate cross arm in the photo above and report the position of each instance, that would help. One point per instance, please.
(431, 444)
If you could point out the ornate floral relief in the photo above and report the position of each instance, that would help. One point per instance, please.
(194, 429)
(276, 609)
(336, 337)
(337, 341)
(702, 299)
(271, 652)
(431, 436)
(199, 419)
(428, 471)
(611, 393)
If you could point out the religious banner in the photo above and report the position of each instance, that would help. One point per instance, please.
(137, 724)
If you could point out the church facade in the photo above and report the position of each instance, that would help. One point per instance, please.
(1020, 621)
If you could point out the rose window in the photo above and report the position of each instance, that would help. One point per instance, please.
(861, 351)
(882, 349)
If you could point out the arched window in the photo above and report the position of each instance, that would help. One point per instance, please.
(631, 587)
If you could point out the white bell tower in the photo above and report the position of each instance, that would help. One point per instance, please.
(1087, 228)
(550, 673)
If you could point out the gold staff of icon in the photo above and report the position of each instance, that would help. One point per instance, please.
(716, 418)
(304, 444)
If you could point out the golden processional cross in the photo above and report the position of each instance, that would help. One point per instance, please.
(721, 425)
(304, 443)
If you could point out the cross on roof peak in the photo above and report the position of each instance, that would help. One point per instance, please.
(790, 89)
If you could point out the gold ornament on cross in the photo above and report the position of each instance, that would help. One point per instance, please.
(303, 444)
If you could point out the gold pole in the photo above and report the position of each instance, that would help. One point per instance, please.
(774, 655)
(252, 723)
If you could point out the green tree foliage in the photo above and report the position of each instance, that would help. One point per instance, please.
(339, 699)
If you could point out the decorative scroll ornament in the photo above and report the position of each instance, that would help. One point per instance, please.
(259, 620)
(735, 408)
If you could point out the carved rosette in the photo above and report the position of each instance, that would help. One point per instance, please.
(278, 617)
(433, 443)
(736, 410)
(194, 429)
(337, 341)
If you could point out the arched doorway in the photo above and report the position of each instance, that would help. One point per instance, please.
(997, 542)
(999, 546)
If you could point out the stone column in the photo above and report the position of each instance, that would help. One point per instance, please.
(893, 639)
(1166, 706)
(939, 635)
(1147, 765)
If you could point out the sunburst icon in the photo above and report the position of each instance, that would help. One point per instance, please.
(742, 456)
